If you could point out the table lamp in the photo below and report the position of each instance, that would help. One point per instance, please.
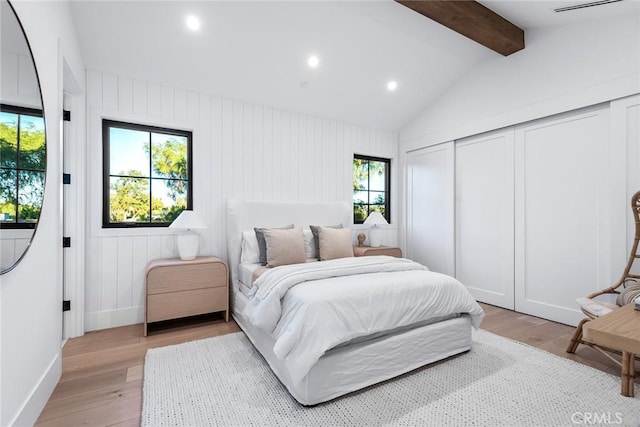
(188, 241)
(375, 233)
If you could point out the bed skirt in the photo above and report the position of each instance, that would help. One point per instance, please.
(340, 371)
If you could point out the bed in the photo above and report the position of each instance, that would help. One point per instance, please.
(320, 360)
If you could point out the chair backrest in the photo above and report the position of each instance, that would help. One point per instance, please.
(627, 277)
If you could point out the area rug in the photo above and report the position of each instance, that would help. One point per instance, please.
(224, 381)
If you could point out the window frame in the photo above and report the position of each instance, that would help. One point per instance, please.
(33, 112)
(106, 163)
(387, 184)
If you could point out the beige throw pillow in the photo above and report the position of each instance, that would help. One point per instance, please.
(284, 247)
(335, 243)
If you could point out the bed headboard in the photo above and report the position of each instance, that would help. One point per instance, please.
(243, 215)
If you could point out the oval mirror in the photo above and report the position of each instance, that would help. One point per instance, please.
(22, 142)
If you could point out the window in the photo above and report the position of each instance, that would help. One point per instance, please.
(370, 187)
(22, 166)
(147, 174)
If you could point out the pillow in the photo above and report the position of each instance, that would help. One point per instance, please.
(262, 245)
(315, 229)
(284, 246)
(629, 294)
(309, 244)
(335, 243)
(250, 251)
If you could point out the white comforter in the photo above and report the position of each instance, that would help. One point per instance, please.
(311, 308)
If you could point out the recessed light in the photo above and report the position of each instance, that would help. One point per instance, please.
(193, 23)
(313, 61)
(392, 85)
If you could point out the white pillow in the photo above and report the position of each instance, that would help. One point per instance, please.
(250, 251)
(309, 244)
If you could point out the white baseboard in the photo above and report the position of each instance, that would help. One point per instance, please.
(39, 396)
(113, 318)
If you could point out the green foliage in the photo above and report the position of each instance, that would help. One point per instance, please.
(169, 160)
(26, 163)
(129, 199)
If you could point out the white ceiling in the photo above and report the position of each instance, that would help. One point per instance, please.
(257, 51)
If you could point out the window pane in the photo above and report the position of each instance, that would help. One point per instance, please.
(7, 195)
(30, 194)
(361, 197)
(8, 140)
(128, 152)
(360, 174)
(169, 199)
(32, 143)
(169, 156)
(377, 176)
(359, 213)
(377, 197)
(129, 199)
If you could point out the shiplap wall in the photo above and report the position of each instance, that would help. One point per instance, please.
(240, 150)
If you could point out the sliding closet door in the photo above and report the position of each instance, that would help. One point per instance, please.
(430, 174)
(561, 212)
(625, 131)
(484, 217)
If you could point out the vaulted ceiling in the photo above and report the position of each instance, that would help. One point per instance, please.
(258, 51)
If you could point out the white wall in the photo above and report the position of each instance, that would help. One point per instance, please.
(240, 150)
(560, 69)
(30, 294)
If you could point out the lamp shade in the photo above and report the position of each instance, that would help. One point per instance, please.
(375, 218)
(188, 220)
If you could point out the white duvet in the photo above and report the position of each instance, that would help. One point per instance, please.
(311, 308)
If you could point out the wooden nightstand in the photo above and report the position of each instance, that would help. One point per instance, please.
(177, 288)
(381, 250)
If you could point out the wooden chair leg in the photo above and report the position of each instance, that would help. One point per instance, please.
(577, 337)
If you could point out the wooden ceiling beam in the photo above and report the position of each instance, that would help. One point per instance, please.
(473, 20)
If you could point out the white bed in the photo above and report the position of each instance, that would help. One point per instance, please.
(339, 370)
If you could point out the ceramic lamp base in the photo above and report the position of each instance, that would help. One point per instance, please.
(188, 242)
(375, 237)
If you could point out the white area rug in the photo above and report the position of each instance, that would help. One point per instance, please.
(225, 381)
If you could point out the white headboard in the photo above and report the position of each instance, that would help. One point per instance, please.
(243, 215)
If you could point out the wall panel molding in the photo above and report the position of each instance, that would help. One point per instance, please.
(241, 150)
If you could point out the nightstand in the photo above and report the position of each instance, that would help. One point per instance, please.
(381, 250)
(177, 288)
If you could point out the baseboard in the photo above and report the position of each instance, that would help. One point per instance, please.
(113, 318)
(39, 396)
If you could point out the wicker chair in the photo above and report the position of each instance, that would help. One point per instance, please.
(623, 292)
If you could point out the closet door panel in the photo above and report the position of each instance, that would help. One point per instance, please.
(484, 217)
(562, 183)
(430, 211)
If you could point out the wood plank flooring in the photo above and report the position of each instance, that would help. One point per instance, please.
(101, 382)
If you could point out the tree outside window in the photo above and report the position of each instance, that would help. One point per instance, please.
(371, 182)
(22, 166)
(147, 174)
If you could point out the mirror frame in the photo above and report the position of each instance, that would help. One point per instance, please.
(46, 151)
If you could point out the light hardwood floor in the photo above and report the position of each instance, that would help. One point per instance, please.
(101, 382)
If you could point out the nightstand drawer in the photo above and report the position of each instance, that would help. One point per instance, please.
(177, 278)
(187, 303)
